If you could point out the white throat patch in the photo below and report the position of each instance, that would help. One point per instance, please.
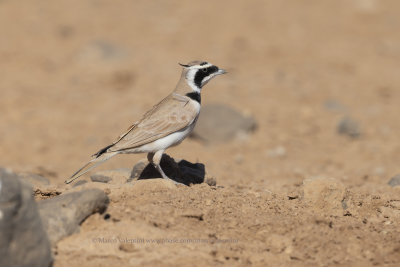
(190, 79)
(207, 79)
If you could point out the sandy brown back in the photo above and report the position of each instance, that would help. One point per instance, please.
(173, 113)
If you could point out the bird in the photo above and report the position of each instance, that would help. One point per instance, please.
(165, 125)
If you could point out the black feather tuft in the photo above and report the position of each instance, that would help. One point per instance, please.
(102, 151)
(183, 65)
(194, 96)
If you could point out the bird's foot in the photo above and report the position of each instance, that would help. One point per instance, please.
(175, 182)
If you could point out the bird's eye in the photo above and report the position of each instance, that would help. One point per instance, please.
(205, 70)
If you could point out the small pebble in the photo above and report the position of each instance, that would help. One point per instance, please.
(395, 181)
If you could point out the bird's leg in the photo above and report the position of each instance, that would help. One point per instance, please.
(155, 160)
(150, 157)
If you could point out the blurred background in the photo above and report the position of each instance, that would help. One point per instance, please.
(320, 78)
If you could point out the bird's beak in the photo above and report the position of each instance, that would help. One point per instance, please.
(221, 71)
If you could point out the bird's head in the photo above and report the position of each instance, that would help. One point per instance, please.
(199, 73)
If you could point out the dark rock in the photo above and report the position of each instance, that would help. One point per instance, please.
(101, 51)
(348, 126)
(23, 241)
(192, 171)
(183, 171)
(333, 105)
(80, 182)
(219, 123)
(101, 178)
(35, 180)
(138, 169)
(117, 176)
(395, 181)
(108, 50)
(211, 181)
(63, 214)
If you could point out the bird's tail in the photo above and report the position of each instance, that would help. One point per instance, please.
(90, 165)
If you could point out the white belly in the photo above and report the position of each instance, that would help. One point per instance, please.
(165, 142)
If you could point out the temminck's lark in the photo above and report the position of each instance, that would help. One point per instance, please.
(166, 124)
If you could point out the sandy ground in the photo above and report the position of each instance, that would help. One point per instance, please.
(75, 74)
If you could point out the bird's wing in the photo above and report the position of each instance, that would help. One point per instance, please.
(172, 114)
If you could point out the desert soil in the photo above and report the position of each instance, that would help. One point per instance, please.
(75, 74)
